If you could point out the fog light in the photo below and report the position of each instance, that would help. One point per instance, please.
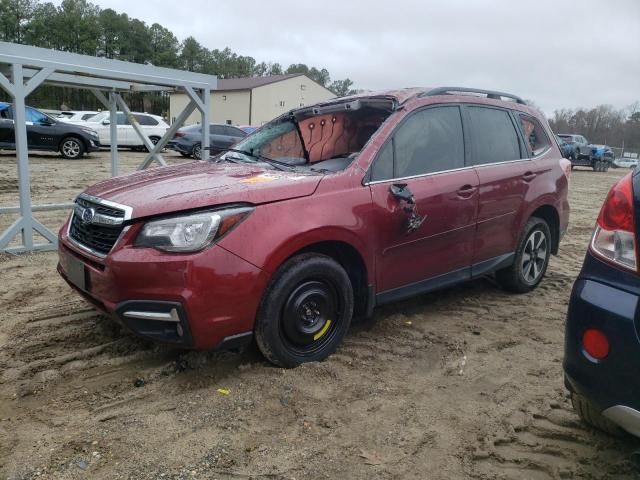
(595, 343)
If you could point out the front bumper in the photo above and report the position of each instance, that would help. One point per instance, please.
(92, 144)
(213, 295)
(612, 385)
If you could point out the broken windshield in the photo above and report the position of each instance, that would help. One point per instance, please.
(317, 139)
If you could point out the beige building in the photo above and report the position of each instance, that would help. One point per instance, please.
(255, 100)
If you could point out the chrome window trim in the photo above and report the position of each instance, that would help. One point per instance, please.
(447, 171)
(128, 211)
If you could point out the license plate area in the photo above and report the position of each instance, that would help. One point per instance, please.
(76, 272)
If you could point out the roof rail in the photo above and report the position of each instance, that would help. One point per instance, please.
(489, 93)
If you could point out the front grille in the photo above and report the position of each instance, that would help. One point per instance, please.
(112, 212)
(99, 238)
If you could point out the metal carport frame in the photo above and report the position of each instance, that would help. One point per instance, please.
(23, 68)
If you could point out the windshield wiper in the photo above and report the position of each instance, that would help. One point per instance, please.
(275, 163)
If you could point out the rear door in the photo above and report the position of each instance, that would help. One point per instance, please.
(221, 137)
(427, 154)
(505, 172)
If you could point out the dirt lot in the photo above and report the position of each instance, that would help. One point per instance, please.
(464, 383)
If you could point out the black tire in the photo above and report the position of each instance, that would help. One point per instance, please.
(531, 259)
(588, 413)
(72, 148)
(196, 151)
(305, 312)
(154, 140)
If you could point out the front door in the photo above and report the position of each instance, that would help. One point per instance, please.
(41, 130)
(426, 153)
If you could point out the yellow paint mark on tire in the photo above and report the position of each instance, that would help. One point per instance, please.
(323, 331)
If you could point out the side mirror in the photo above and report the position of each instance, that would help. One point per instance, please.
(400, 191)
(106, 121)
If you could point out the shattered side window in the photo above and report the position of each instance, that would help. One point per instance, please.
(534, 134)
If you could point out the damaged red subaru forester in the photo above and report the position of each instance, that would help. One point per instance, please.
(319, 216)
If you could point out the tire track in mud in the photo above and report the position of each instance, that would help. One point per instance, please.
(550, 443)
(61, 338)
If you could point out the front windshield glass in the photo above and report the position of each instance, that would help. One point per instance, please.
(278, 140)
(98, 117)
(326, 141)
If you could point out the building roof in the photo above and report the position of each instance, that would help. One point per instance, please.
(247, 83)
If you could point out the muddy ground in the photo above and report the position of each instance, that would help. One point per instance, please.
(463, 383)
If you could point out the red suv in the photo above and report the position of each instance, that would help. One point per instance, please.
(319, 216)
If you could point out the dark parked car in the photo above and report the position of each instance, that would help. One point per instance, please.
(320, 215)
(602, 346)
(46, 133)
(187, 140)
(583, 154)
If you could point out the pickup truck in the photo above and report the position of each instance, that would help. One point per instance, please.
(584, 154)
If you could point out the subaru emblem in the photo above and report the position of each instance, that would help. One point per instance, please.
(87, 215)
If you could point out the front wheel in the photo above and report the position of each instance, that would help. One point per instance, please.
(306, 311)
(154, 140)
(71, 148)
(531, 258)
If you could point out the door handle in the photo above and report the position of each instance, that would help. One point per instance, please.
(466, 191)
(527, 177)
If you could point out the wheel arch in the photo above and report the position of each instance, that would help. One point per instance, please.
(549, 214)
(342, 251)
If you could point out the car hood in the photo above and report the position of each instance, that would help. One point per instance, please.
(202, 184)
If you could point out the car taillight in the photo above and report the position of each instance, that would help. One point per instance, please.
(179, 134)
(614, 238)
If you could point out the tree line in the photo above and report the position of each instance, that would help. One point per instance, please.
(81, 27)
(603, 124)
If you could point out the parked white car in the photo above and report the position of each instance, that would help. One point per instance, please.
(76, 116)
(153, 125)
(624, 162)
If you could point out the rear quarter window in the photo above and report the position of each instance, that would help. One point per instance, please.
(535, 137)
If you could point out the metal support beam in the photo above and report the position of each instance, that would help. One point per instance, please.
(191, 106)
(36, 80)
(206, 100)
(22, 154)
(23, 68)
(113, 132)
(6, 84)
(136, 126)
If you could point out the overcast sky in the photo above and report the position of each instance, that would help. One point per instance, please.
(557, 53)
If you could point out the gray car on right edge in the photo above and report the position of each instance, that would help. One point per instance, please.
(187, 140)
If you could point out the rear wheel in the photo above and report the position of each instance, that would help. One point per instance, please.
(588, 413)
(306, 311)
(154, 140)
(196, 152)
(71, 148)
(531, 258)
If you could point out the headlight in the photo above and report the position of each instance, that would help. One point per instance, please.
(190, 233)
(90, 131)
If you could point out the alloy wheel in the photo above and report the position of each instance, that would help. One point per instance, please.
(71, 148)
(534, 257)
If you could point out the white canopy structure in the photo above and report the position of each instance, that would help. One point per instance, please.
(23, 68)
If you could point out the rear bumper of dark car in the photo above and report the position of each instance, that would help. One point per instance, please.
(180, 147)
(612, 384)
